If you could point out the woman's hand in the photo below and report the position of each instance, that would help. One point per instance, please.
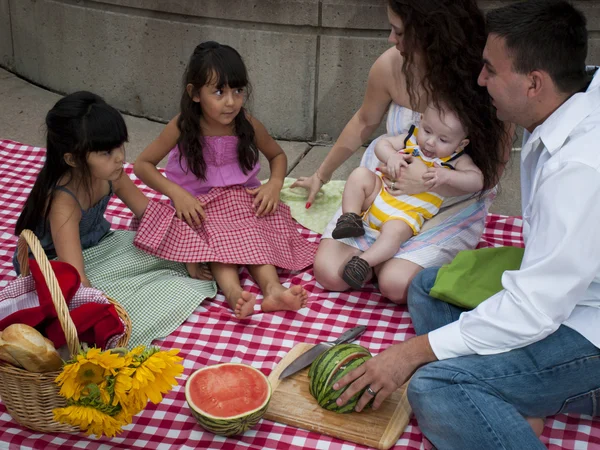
(266, 198)
(409, 182)
(312, 184)
(188, 208)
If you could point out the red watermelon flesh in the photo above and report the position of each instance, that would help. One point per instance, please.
(228, 390)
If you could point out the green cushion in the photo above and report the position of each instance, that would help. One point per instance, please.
(475, 275)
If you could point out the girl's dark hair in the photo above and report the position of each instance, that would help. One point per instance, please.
(79, 123)
(222, 65)
(449, 36)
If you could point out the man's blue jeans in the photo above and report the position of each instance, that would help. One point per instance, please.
(479, 402)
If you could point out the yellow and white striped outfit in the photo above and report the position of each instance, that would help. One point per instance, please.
(412, 209)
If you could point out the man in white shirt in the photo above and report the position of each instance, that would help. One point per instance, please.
(531, 350)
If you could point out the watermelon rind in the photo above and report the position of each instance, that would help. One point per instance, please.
(329, 396)
(324, 364)
(232, 425)
(329, 368)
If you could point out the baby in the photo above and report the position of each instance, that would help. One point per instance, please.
(367, 201)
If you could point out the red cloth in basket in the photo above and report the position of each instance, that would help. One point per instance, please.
(28, 300)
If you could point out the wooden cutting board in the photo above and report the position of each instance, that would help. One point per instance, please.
(292, 404)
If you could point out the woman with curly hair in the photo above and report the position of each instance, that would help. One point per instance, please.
(436, 59)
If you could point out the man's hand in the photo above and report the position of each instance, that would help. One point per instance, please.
(386, 372)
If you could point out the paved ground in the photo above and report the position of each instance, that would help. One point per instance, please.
(25, 105)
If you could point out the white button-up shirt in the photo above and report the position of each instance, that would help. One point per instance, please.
(559, 279)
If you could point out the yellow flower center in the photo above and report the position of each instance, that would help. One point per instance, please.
(90, 373)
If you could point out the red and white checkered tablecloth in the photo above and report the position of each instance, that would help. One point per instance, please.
(212, 335)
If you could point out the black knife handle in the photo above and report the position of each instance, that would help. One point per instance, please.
(350, 335)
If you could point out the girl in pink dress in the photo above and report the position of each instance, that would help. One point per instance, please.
(220, 212)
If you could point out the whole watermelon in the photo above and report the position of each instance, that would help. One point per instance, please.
(330, 367)
(228, 399)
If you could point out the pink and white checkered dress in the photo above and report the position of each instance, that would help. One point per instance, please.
(231, 232)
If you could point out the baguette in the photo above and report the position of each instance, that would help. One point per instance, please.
(25, 346)
(5, 356)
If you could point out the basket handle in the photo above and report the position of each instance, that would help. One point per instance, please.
(28, 239)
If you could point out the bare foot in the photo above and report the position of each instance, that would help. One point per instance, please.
(282, 299)
(244, 306)
(537, 424)
(199, 271)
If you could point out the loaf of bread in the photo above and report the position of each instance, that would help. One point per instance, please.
(25, 347)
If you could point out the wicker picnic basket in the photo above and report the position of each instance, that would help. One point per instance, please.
(30, 397)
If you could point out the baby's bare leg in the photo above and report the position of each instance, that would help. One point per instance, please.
(392, 235)
(360, 191)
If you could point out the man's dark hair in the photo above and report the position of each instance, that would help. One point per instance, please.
(548, 35)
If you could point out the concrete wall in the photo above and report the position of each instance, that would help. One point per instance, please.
(6, 50)
(308, 59)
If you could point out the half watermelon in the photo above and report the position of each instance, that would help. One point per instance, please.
(228, 398)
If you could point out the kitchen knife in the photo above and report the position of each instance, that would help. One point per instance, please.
(305, 359)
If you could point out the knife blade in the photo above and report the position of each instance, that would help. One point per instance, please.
(305, 359)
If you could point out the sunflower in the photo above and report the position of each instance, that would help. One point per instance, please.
(91, 367)
(122, 386)
(155, 375)
(136, 402)
(105, 389)
(137, 351)
(88, 419)
(125, 416)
